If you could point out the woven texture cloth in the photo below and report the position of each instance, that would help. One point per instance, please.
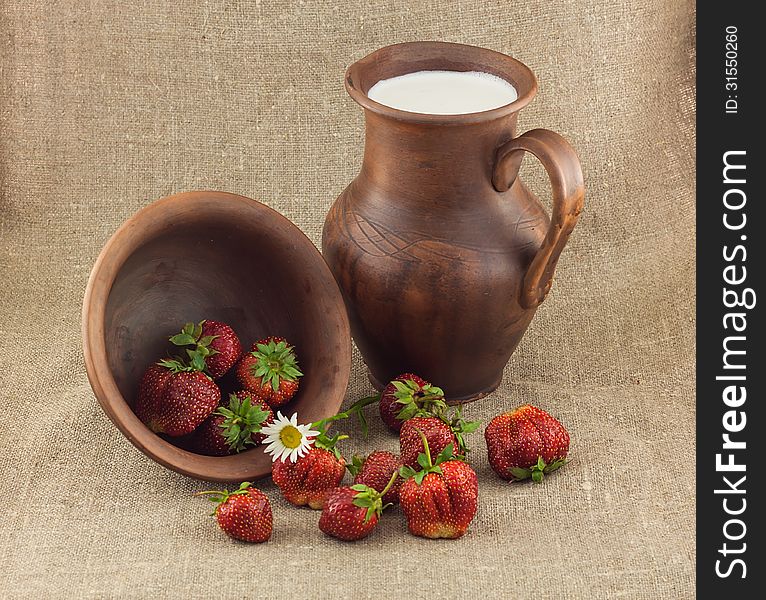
(106, 106)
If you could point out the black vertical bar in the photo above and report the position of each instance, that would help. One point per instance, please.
(730, 266)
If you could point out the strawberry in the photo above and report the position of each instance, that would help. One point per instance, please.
(177, 401)
(439, 500)
(352, 513)
(436, 431)
(270, 371)
(232, 429)
(216, 342)
(439, 430)
(526, 443)
(244, 514)
(153, 382)
(407, 396)
(375, 471)
(308, 480)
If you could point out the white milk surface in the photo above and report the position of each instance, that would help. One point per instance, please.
(444, 92)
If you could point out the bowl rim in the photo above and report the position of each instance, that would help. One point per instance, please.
(123, 242)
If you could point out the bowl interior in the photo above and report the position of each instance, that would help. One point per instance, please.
(231, 259)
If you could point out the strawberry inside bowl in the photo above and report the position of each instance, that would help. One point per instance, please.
(211, 255)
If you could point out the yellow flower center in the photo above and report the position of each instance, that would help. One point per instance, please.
(290, 437)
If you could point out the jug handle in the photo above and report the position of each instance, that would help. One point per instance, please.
(565, 173)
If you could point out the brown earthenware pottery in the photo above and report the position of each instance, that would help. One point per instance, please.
(218, 256)
(441, 252)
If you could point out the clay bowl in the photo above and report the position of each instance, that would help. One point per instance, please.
(218, 256)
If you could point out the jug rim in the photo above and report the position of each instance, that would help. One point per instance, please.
(409, 57)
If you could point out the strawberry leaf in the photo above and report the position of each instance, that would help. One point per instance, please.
(328, 443)
(423, 461)
(363, 425)
(355, 465)
(197, 361)
(221, 496)
(275, 362)
(241, 421)
(403, 387)
(182, 339)
(471, 426)
(538, 470)
(556, 464)
(445, 455)
(410, 410)
(520, 473)
(416, 400)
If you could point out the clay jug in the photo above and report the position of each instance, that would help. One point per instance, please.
(440, 251)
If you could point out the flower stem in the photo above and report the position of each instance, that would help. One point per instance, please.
(353, 409)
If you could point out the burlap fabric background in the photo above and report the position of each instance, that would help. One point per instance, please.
(106, 106)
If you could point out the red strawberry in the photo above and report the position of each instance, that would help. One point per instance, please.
(216, 342)
(437, 432)
(226, 345)
(308, 480)
(407, 396)
(232, 429)
(244, 514)
(153, 383)
(526, 442)
(375, 471)
(178, 402)
(270, 371)
(352, 513)
(440, 500)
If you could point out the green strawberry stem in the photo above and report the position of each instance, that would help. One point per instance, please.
(389, 484)
(424, 460)
(221, 496)
(425, 445)
(371, 499)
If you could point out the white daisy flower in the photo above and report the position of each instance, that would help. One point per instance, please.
(286, 439)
